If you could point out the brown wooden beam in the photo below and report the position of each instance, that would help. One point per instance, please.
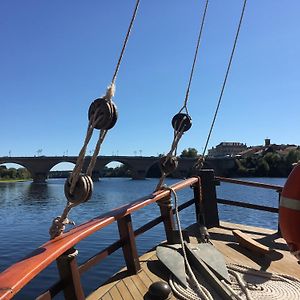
(129, 248)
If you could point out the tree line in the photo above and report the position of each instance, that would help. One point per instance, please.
(271, 164)
(13, 173)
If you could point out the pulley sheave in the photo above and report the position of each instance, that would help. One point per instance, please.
(181, 122)
(104, 113)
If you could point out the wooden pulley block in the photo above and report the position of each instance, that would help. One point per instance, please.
(168, 164)
(82, 191)
(105, 112)
(90, 185)
(181, 122)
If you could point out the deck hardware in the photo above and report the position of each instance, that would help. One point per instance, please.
(82, 191)
(181, 122)
(159, 290)
(104, 113)
(168, 164)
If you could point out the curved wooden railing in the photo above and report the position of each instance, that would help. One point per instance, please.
(61, 250)
(13, 279)
(274, 187)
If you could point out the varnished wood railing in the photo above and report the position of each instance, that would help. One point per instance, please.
(13, 279)
(61, 249)
(274, 187)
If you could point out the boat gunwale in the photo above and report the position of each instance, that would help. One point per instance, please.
(15, 277)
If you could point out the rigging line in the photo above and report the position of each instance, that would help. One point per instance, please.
(195, 59)
(225, 79)
(125, 42)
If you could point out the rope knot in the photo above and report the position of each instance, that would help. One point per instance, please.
(110, 92)
(58, 226)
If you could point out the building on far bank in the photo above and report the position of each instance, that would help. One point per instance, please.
(236, 149)
(226, 149)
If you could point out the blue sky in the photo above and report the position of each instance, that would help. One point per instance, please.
(56, 57)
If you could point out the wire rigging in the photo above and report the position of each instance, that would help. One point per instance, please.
(125, 41)
(181, 122)
(200, 162)
(195, 59)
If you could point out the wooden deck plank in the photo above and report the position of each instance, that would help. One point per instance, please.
(141, 286)
(115, 294)
(144, 278)
(132, 288)
(107, 296)
(280, 261)
(124, 291)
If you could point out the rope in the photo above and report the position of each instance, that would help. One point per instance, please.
(179, 134)
(58, 224)
(195, 59)
(200, 162)
(96, 152)
(252, 284)
(109, 94)
(200, 290)
(125, 42)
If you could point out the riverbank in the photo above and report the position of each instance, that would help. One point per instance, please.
(14, 180)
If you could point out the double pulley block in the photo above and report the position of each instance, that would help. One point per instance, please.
(103, 114)
(181, 123)
(82, 191)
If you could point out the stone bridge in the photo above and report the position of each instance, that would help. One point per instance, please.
(40, 166)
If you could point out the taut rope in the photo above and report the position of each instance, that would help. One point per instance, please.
(103, 116)
(200, 162)
(181, 122)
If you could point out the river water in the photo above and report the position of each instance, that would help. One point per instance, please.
(27, 210)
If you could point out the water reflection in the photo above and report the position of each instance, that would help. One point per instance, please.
(27, 210)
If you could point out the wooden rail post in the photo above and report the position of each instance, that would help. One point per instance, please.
(129, 248)
(68, 271)
(206, 199)
(165, 207)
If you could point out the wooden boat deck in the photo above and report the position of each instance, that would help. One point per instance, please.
(122, 286)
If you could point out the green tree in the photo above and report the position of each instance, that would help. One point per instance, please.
(190, 152)
(262, 168)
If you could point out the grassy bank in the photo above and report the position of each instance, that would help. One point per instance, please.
(15, 180)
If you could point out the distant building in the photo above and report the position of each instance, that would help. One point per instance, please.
(237, 149)
(268, 147)
(227, 149)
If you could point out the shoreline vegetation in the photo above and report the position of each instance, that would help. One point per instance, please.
(266, 164)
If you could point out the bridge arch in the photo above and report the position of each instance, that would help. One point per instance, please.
(153, 171)
(61, 169)
(124, 168)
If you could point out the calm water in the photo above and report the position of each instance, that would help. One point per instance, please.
(26, 212)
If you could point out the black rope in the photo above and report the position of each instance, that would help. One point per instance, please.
(195, 59)
(225, 79)
(125, 41)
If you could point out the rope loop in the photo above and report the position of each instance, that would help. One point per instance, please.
(168, 164)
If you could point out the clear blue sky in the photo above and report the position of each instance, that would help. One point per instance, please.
(58, 56)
